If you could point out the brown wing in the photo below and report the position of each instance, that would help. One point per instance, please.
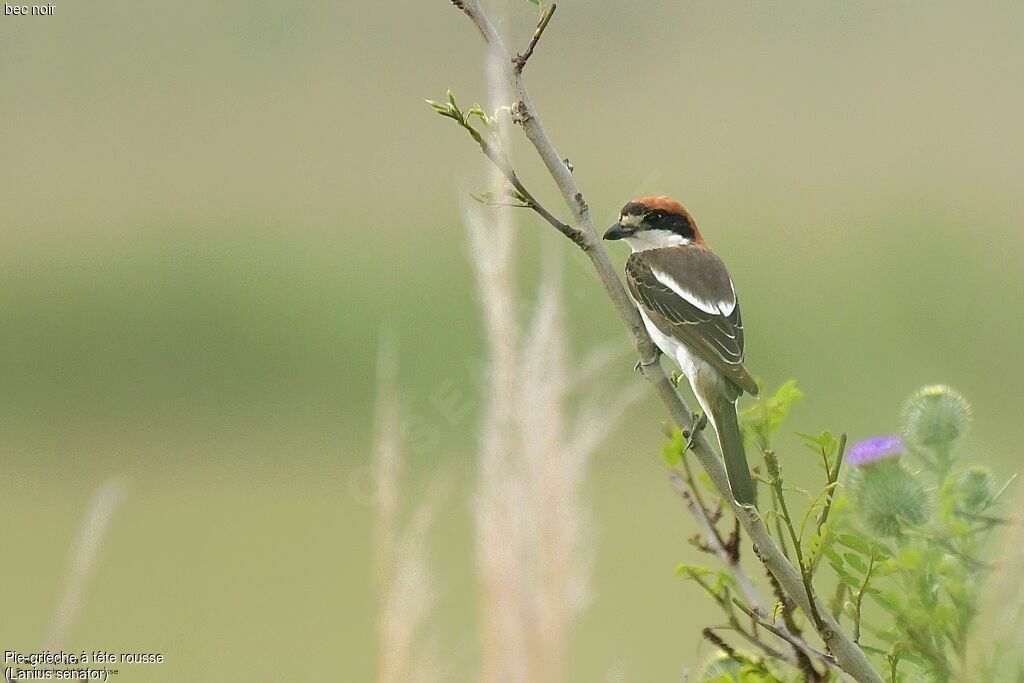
(687, 293)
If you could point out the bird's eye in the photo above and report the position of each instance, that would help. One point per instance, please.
(656, 215)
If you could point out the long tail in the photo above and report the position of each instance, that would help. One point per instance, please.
(723, 414)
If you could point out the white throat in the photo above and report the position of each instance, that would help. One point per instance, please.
(655, 239)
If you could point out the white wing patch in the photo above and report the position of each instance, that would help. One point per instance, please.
(724, 307)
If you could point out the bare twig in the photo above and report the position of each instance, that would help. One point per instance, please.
(785, 635)
(726, 649)
(519, 61)
(502, 163)
(848, 655)
(758, 643)
(688, 493)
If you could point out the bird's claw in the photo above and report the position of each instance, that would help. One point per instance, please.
(698, 421)
(641, 364)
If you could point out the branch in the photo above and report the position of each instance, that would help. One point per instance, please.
(833, 476)
(519, 61)
(785, 635)
(688, 494)
(849, 657)
(757, 642)
(502, 163)
(860, 598)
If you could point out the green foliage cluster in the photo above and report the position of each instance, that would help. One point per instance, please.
(896, 536)
(484, 132)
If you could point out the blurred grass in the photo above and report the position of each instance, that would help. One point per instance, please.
(210, 212)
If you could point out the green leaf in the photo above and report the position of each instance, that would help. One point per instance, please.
(483, 198)
(478, 112)
(848, 579)
(693, 571)
(751, 673)
(672, 452)
(889, 600)
(915, 659)
(721, 678)
(719, 588)
(824, 440)
(765, 417)
(884, 568)
(833, 557)
(855, 562)
(854, 542)
(671, 455)
(910, 558)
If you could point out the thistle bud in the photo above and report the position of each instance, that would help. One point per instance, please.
(975, 487)
(888, 497)
(935, 415)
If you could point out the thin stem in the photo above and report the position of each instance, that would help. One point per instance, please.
(860, 598)
(687, 493)
(778, 524)
(788, 637)
(502, 163)
(833, 477)
(702, 513)
(519, 61)
(805, 577)
(734, 625)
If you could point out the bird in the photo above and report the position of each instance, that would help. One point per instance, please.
(689, 306)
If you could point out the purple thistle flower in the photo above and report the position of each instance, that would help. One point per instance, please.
(875, 449)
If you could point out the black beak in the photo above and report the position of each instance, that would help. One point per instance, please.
(617, 232)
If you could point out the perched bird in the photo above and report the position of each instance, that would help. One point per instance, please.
(688, 303)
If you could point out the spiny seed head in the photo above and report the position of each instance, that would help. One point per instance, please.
(976, 486)
(888, 497)
(935, 415)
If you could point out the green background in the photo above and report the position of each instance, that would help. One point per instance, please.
(210, 212)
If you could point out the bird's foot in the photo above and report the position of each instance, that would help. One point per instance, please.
(698, 421)
(641, 364)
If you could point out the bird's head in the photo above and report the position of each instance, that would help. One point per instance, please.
(655, 222)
